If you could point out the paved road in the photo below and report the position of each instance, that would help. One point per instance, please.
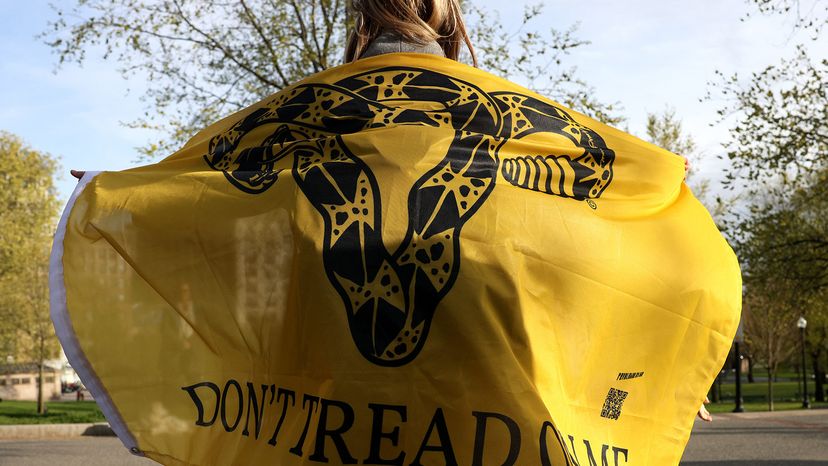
(793, 438)
(82, 451)
(787, 438)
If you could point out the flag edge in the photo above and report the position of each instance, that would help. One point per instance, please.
(65, 331)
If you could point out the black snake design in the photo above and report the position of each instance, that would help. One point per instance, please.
(390, 296)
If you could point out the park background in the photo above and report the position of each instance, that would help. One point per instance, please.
(738, 87)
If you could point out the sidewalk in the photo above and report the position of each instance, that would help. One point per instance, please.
(80, 451)
(783, 438)
(54, 431)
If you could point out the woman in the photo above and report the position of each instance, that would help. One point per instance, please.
(253, 275)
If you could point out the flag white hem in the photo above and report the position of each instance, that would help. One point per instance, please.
(66, 333)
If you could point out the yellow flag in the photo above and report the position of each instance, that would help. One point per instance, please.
(398, 265)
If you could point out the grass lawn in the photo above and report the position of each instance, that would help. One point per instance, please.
(786, 395)
(728, 406)
(66, 412)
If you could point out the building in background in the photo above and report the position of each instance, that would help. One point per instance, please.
(18, 381)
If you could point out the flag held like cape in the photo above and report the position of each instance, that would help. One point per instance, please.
(385, 264)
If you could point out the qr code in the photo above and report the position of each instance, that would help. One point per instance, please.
(612, 404)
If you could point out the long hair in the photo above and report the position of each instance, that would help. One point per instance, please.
(417, 21)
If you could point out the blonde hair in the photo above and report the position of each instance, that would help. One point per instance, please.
(417, 21)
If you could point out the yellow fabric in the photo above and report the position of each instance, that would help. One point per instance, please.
(402, 260)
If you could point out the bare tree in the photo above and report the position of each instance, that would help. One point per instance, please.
(779, 129)
(817, 340)
(807, 14)
(535, 58)
(202, 59)
(770, 325)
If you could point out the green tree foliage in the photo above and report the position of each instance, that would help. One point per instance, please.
(787, 235)
(778, 153)
(781, 122)
(665, 130)
(202, 59)
(28, 208)
(781, 112)
(785, 240)
(817, 340)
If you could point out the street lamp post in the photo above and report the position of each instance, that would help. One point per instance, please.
(738, 362)
(737, 358)
(802, 323)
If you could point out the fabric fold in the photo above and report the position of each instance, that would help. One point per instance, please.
(400, 260)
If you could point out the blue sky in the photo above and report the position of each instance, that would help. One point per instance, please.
(646, 54)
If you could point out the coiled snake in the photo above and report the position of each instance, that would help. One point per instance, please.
(390, 296)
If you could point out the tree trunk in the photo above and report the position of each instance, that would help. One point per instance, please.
(750, 369)
(826, 359)
(770, 389)
(798, 381)
(819, 377)
(349, 15)
(41, 406)
(715, 390)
